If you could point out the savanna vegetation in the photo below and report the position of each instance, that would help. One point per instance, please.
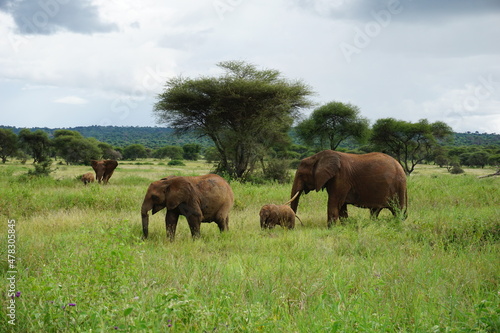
(82, 266)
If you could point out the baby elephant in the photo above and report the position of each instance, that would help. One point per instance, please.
(87, 178)
(272, 215)
(283, 215)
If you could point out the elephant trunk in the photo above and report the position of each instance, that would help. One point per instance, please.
(145, 220)
(263, 224)
(295, 195)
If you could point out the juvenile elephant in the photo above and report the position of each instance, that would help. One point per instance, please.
(104, 169)
(375, 181)
(87, 178)
(205, 198)
(272, 215)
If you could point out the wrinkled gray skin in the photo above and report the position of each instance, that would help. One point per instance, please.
(207, 198)
(375, 181)
(104, 169)
(272, 215)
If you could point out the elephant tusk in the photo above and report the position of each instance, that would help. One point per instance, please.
(293, 198)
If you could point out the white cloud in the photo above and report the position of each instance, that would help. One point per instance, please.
(73, 100)
(425, 62)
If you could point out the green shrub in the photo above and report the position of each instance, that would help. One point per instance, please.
(176, 163)
(456, 170)
(277, 170)
(42, 169)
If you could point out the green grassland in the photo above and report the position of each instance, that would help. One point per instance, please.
(82, 266)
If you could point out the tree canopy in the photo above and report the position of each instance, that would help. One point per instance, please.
(8, 144)
(331, 124)
(410, 143)
(74, 148)
(245, 111)
(37, 143)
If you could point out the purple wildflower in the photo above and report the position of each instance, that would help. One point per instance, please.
(18, 294)
(71, 304)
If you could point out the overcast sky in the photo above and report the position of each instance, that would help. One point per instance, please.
(66, 63)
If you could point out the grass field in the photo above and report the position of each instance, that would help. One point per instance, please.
(80, 264)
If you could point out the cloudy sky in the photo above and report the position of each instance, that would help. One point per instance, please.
(66, 63)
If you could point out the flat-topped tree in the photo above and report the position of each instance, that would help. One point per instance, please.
(244, 111)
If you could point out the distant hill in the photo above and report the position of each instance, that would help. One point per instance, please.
(471, 139)
(156, 137)
(118, 136)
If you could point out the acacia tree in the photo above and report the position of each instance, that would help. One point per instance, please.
(244, 111)
(409, 143)
(74, 148)
(333, 123)
(37, 143)
(135, 151)
(8, 144)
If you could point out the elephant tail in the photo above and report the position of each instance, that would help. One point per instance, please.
(405, 209)
(298, 218)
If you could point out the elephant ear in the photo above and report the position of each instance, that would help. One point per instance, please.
(179, 191)
(110, 165)
(327, 166)
(94, 164)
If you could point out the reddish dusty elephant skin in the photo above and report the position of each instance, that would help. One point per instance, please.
(87, 178)
(207, 198)
(375, 181)
(104, 169)
(272, 215)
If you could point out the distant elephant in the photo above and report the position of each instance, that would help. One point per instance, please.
(207, 198)
(375, 181)
(104, 169)
(87, 178)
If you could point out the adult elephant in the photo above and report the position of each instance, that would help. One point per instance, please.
(375, 181)
(205, 198)
(104, 169)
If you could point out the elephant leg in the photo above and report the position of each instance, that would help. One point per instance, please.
(374, 212)
(333, 216)
(343, 212)
(336, 209)
(223, 224)
(171, 224)
(194, 225)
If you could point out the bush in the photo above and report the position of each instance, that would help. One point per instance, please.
(456, 169)
(176, 162)
(277, 170)
(42, 169)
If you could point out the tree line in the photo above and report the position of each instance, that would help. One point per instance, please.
(248, 112)
(248, 121)
(73, 148)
